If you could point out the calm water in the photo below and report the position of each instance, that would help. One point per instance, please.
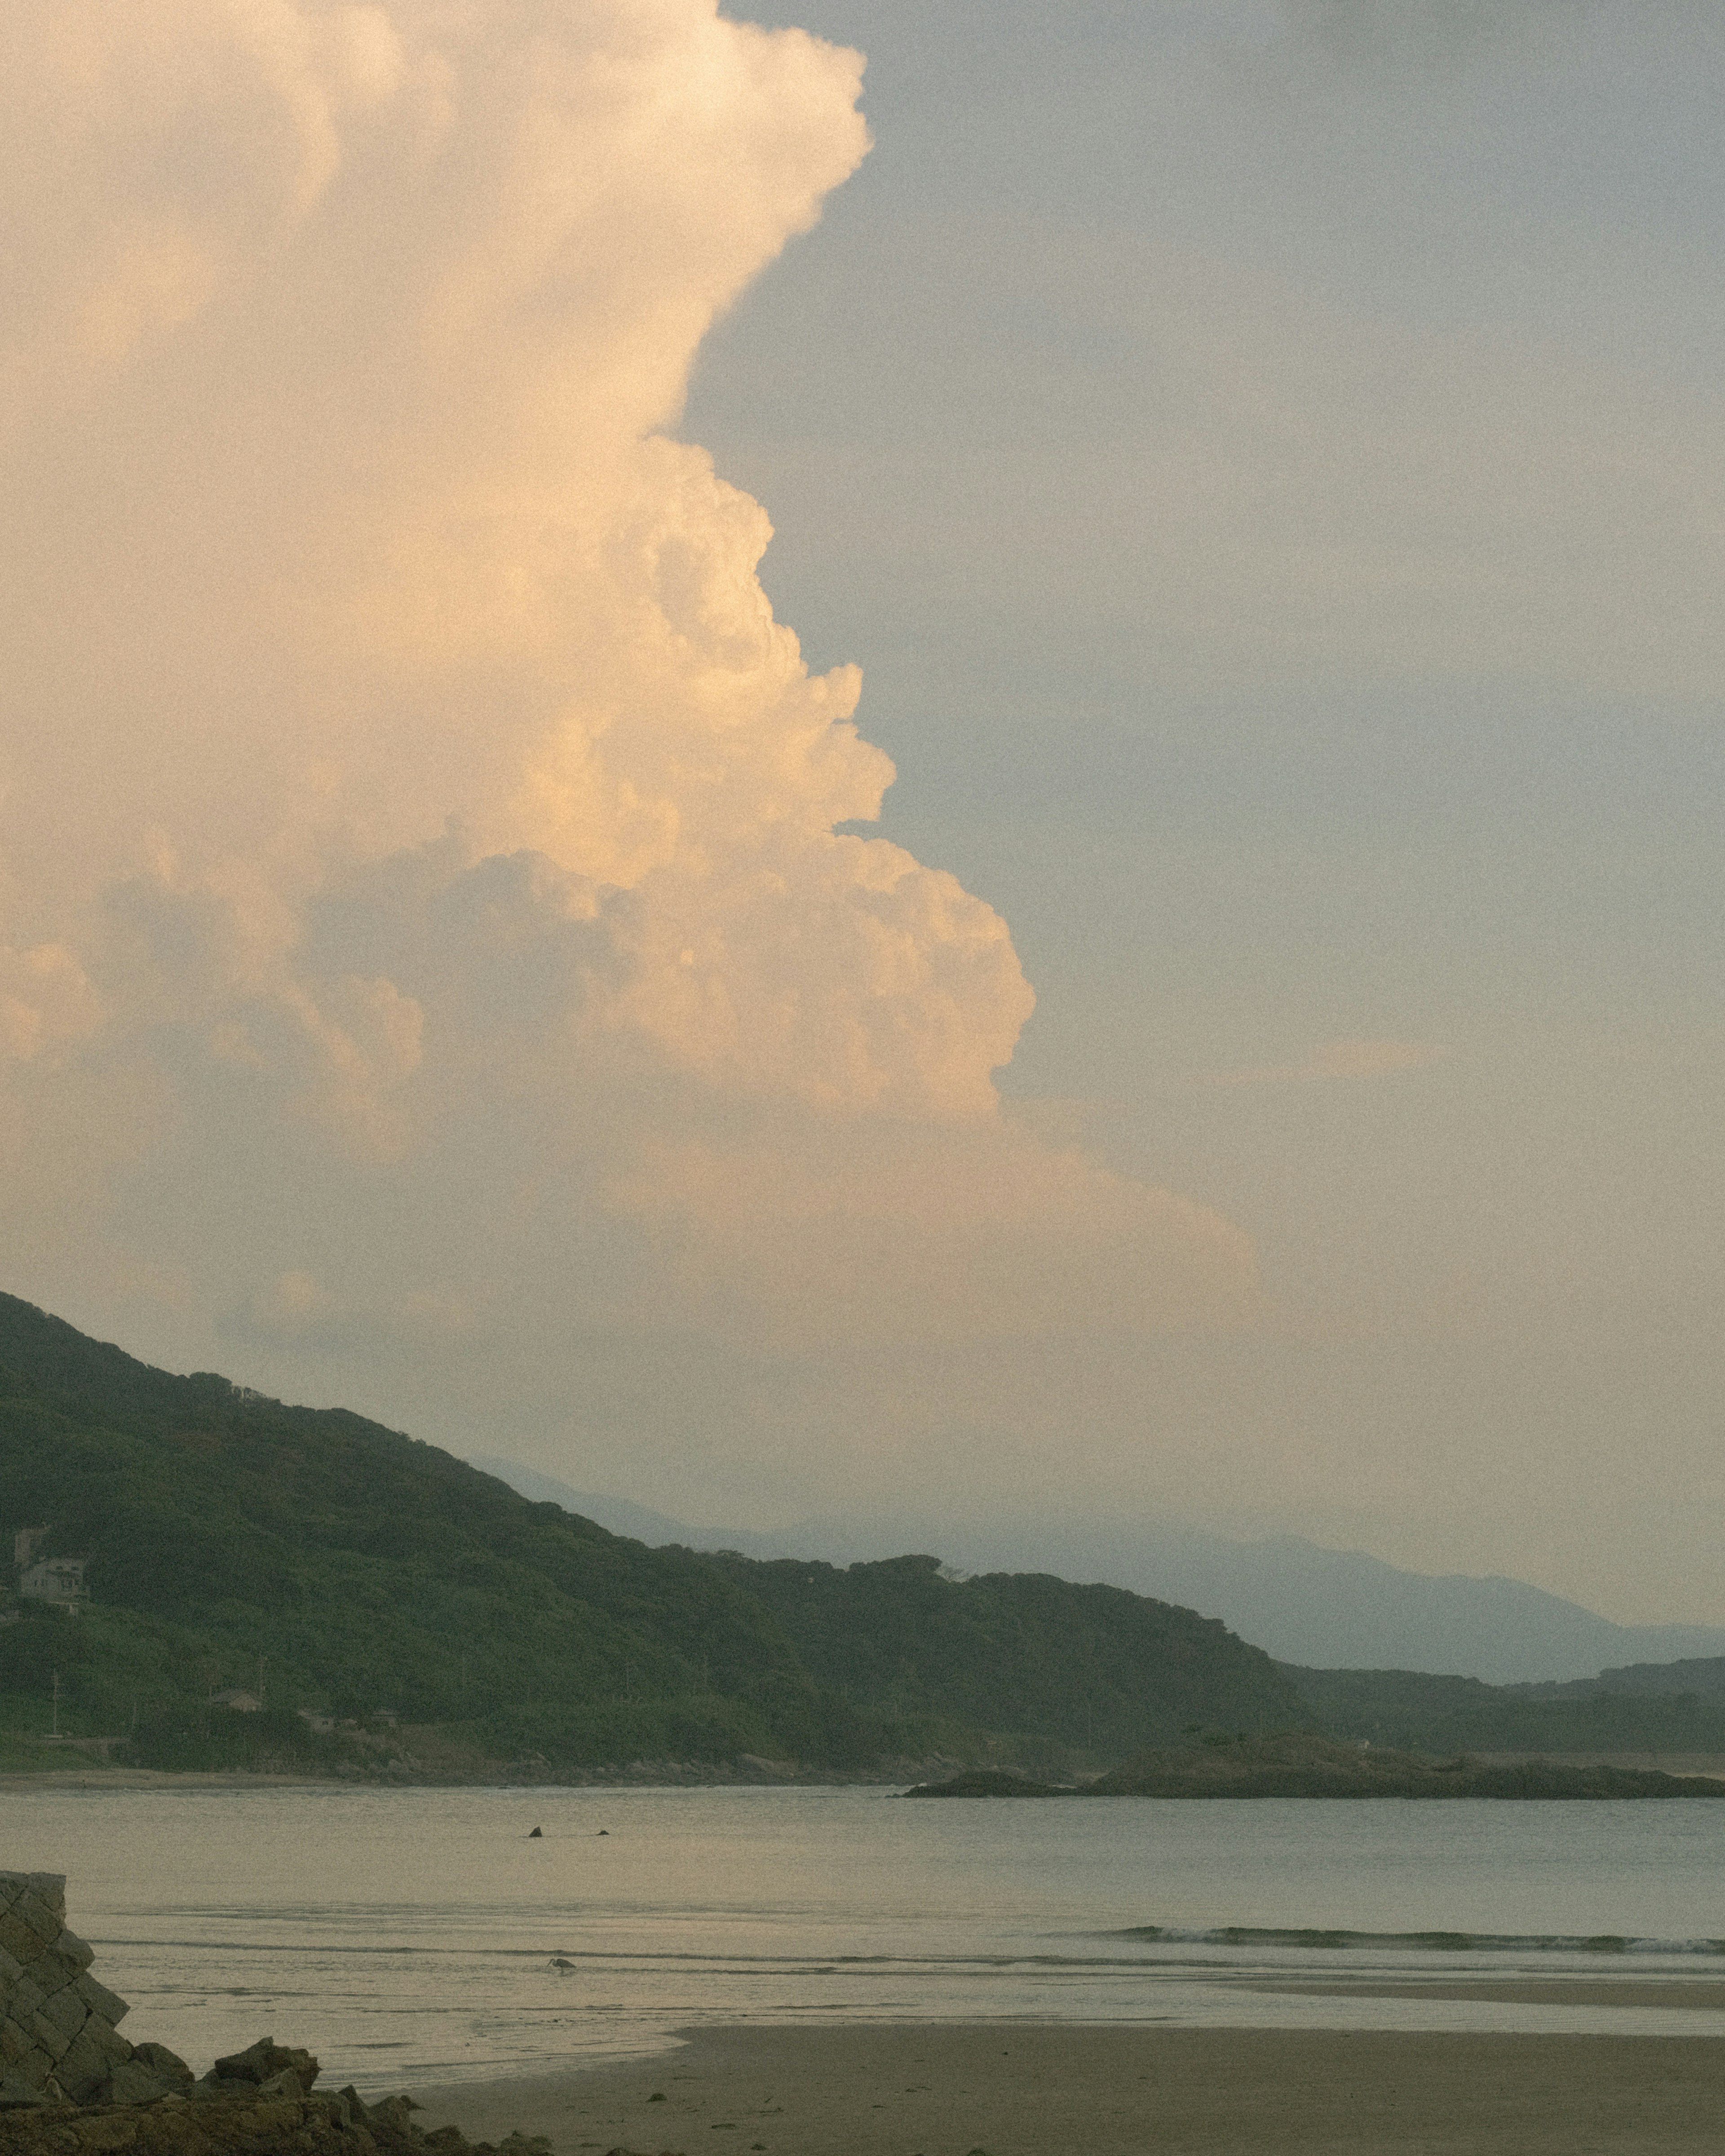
(405, 1935)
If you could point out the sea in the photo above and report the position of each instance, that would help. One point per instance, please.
(419, 1936)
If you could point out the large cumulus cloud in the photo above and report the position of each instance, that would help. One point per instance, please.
(426, 905)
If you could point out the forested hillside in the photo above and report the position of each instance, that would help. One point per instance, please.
(1436, 1714)
(333, 1566)
(1080, 1664)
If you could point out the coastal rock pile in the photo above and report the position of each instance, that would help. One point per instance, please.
(70, 2085)
(260, 2102)
(60, 2035)
(257, 2102)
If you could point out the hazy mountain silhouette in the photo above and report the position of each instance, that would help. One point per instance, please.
(1322, 1608)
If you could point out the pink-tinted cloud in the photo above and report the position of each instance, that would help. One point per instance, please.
(409, 793)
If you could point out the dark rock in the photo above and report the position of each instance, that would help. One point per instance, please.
(42, 1912)
(262, 2061)
(211, 2089)
(100, 1999)
(168, 2066)
(287, 2082)
(57, 2023)
(90, 2058)
(131, 2083)
(19, 2058)
(67, 2011)
(990, 1781)
(248, 2125)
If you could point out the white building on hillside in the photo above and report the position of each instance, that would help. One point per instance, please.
(49, 1578)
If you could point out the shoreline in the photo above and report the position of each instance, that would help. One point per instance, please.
(1010, 2088)
(91, 1773)
(98, 1777)
(152, 1778)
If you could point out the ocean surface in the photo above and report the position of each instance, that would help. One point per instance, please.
(408, 1936)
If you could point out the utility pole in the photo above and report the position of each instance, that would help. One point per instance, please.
(55, 1729)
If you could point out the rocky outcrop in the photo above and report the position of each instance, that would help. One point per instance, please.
(59, 2032)
(990, 1781)
(60, 2028)
(70, 2085)
(259, 2102)
(255, 2120)
(1300, 1764)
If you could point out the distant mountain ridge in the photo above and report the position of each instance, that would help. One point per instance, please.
(1320, 1609)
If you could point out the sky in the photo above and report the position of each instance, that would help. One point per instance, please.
(1000, 801)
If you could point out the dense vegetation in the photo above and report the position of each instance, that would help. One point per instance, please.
(339, 1568)
(1079, 1666)
(1445, 1714)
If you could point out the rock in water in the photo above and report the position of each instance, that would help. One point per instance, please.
(990, 1781)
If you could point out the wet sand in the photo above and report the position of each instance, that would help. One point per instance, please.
(1699, 1995)
(1009, 2089)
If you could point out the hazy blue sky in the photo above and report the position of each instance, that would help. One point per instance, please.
(1267, 461)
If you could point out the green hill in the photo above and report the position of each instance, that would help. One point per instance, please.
(1443, 1715)
(445, 1625)
(1081, 1666)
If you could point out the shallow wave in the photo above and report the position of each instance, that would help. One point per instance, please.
(416, 1935)
(1248, 1935)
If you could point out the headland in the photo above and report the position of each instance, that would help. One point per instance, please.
(1299, 1764)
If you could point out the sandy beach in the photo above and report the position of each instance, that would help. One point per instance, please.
(1016, 2089)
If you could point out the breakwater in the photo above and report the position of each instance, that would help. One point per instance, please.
(71, 2084)
(59, 2027)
